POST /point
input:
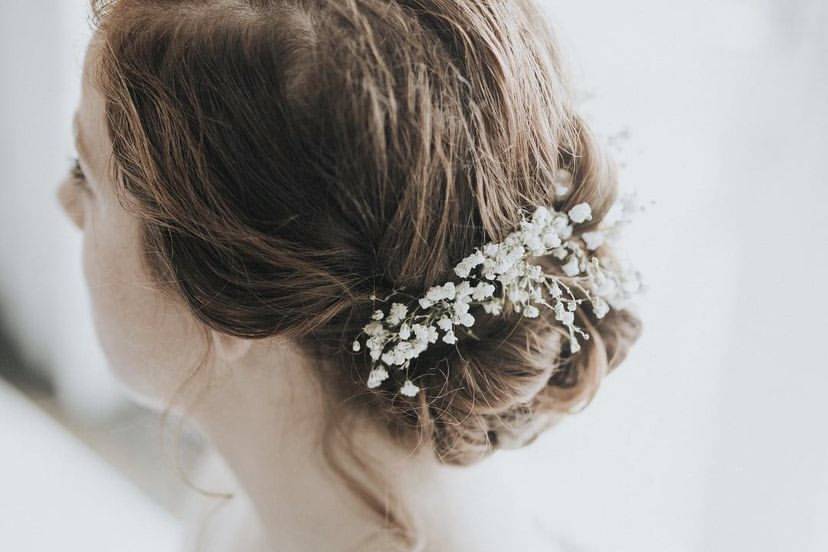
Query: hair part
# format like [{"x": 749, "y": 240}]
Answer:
[{"x": 290, "y": 158}]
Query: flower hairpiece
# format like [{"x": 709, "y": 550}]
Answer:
[{"x": 497, "y": 272}]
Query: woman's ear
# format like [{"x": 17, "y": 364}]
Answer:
[{"x": 230, "y": 348}]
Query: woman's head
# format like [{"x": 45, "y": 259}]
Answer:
[{"x": 278, "y": 162}]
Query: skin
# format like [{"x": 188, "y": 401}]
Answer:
[{"x": 257, "y": 403}]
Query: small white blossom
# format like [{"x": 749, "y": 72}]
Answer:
[
  {"x": 378, "y": 314},
  {"x": 374, "y": 328},
  {"x": 390, "y": 358},
  {"x": 356, "y": 346},
  {"x": 518, "y": 295},
  {"x": 476, "y": 258},
  {"x": 593, "y": 240},
  {"x": 555, "y": 290},
  {"x": 482, "y": 291},
  {"x": 560, "y": 223},
  {"x": 460, "y": 308},
  {"x": 531, "y": 311},
  {"x": 559, "y": 309},
  {"x": 462, "y": 291},
  {"x": 434, "y": 294},
  {"x": 491, "y": 249},
  {"x": 541, "y": 215},
  {"x": 580, "y": 213},
  {"x": 560, "y": 253},
  {"x": 463, "y": 270},
  {"x": 551, "y": 239},
  {"x": 445, "y": 324},
  {"x": 535, "y": 273},
  {"x": 409, "y": 389},
  {"x": 425, "y": 333},
  {"x": 493, "y": 307},
  {"x": 450, "y": 337},
  {"x": 510, "y": 276},
  {"x": 377, "y": 376},
  {"x": 397, "y": 314},
  {"x": 572, "y": 268},
  {"x": 600, "y": 307}
]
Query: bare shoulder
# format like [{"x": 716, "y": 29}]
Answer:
[{"x": 219, "y": 524}]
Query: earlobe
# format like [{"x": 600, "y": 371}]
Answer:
[{"x": 229, "y": 347}]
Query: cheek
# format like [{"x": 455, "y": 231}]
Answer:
[{"x": 150, "y": 341}]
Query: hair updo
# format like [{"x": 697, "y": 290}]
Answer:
[{"x": 290, "y": 158}]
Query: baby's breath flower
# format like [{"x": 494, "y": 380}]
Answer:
[
  {"x": 397, "y": 314},
  {"x": 593, "y": 240},
  {"x": 409, "y": 389},
  {"x": 551, "y": 239},
  {"x": 571, "y": 268},
  {"x": 482, "y": 291},
  {"x": 580, "y": 213},
  {"x": 600, "y": 307},
  {"x": 560, "y": 253},
  {"x": 555, "y": 290},
  {"x": 377, "y": 376},
  {"x": 493, "y": 307},
  {"x": 401, "y": 335},
  {"x": 531, "y": 311},
  {"x": 541, "y": 215}
]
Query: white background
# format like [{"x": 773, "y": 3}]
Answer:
[{"x": 712, "y": 435}]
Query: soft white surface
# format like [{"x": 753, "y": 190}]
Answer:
[
  {"x": 43, "y": 302},
  {"x": 60, "y": 496},
  {"x": 711, "y": 437}
]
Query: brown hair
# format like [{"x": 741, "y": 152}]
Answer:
[{"x": 288, "y": 158}]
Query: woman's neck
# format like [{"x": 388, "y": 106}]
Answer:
[{"x": 264, "y": 415}]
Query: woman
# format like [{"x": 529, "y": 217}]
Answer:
[{"x": 265, "y": 186}]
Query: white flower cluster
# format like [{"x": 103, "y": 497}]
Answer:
[{"x": 498, "y": 272}]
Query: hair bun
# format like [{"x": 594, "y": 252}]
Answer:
[{"x": 503, "y": 390}]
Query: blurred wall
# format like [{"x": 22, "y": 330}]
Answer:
[
  {"x": 711, "y": 437},
  {"x": 43, "y": 303}
]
